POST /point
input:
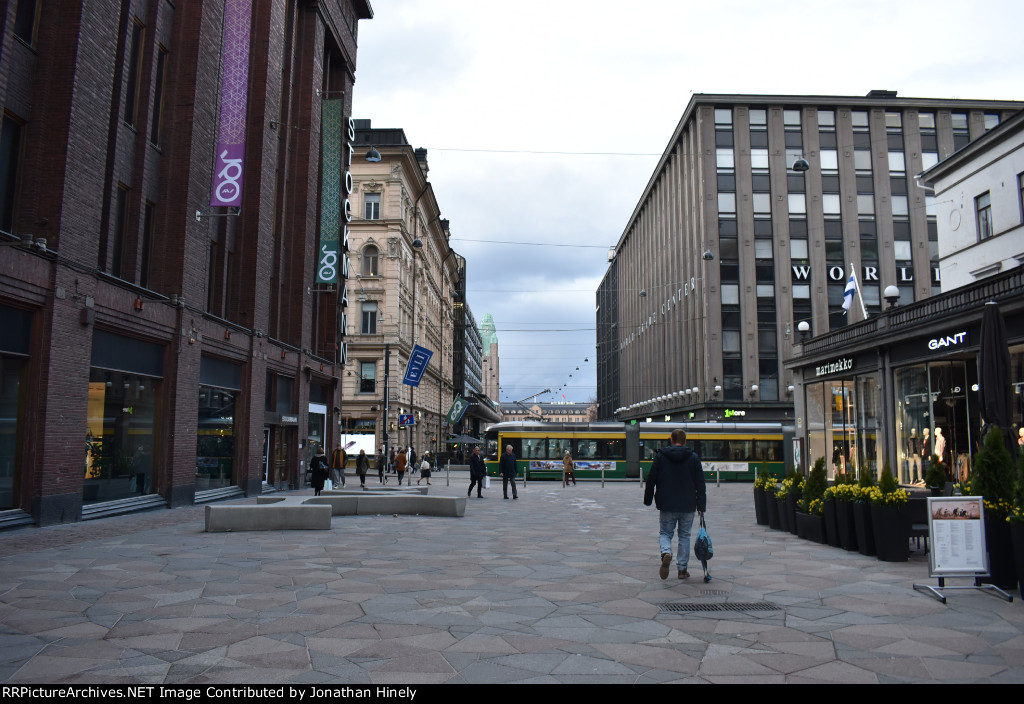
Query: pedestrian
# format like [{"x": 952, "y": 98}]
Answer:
[
  {"x": 320, "y": 471},
  {"x": 424, "y": 469},
  {"x": 400, "y": 462},
  {"x": 477, "y": 472},
  {"x": 569, "y": 467},
  {"x": 676, "y": 484},
  {"x": 338, "y": 460},
  {"x": 410, "y": 458},
  {"x": 507, "y": 465},
  {"x": 382, "y": 465},
  {"x": 362, "y": 467}
]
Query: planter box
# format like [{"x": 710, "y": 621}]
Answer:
[
  {"x": 1001, "y": 566},
  {"x": 862, "y": 523},
  {"x": 891, "y": 528},
  {"x": 831, "y": 526},
  {"x": 760, "y": 507},
  {"x": 845, "y": 525},
  {"x": 810, "y": 527},
  {"x": 772, "y": 506},
  {"x": 791, "y": 500},
  {"x": 1017, "y": 534}
]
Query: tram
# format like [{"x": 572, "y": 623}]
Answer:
[{"x": 622, "y": 451}]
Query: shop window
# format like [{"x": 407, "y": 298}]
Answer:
[{"x": 367, "y": 377}]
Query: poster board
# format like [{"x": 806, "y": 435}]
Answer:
[{"x": 956, "y": 525}]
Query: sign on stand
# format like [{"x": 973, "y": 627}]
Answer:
[{"x": 956, "y": 529}]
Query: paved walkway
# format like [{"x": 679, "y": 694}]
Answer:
[{"x": 559, "y": 586}]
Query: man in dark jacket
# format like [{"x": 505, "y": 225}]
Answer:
[
  {"x": 477, "y": 471},
  {"x": 507, "y": 465},
  {"x": 676, "y": 484}
]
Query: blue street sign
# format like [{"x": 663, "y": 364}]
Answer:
[
  {"x": 406, "y": 420},
  {"x": 418, "y": 361}
]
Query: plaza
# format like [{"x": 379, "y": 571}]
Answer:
[{"x": 560, "y": 586}]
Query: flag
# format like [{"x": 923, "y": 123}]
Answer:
[{"x": 851, "y": 288}]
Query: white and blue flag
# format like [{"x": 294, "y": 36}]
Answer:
[{"x": 851, "y": 288}]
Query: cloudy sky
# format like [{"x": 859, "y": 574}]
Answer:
[{"x": 544, "y": 122}]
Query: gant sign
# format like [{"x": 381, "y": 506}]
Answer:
[{"x": 954, "y": 340}]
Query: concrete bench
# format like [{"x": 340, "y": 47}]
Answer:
[
  {"x": 315, "y": 512},
  {"x": 377, "y": 490},
  {"x": 285, "y": 516}
]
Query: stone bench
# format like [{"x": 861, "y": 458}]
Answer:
[{"x": 315, "y": 512}]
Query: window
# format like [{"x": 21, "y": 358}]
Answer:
[
  {"x": 369, "y": 318},
  {"x": 10, "y": 156},
  {"x": 367, "y": 377},
  {"x": 158, "y": 96},
  {"x": 797, "y": 203},
  {"x": 25, "y": 21},
  {"x": 983, "y": 207},
  {"x": 371, "y": 261},
  {"x": 134, "y": 72},
  {"x": 371, "y": 206}
]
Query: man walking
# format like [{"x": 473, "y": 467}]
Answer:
[
  {"x": 477, "y": 472},
  {"x": 507, "y": 465},
  {"x": 338, "y": 459},
  {"x": 676, "y": 484}
]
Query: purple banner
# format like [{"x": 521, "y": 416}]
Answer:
[{"x": 234, "y": 84}]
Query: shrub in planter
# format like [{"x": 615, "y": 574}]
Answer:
[
  {"x": 935, "y": 477},
  {"x": 1016, "y": 521},
  {"x": 890, "y": 518},
  {"x": 763, "y": 484},
  {"x": 845, "y": 495},
  {"x": 993, "y": 479}
]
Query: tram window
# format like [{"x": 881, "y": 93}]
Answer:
[
  {"x": 611, "y": 449},
  {"x": 714, "y": 450},
  {"x": 651, "y": 447},
  {"x": 740, "y": 450},
  {"x": 766, "y": 450},
  {"x": 533, "y": 448},
  {"x": 492, "y": 449},
  {"x": 586, "y": 449},
  {"x": 557, "y": 447}
]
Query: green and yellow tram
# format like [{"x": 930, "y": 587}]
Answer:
[{"x": 732, "y": 451}]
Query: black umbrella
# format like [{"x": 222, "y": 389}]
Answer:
[{"x": 994, "y": 374}]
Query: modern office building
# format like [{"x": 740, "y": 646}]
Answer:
[
  {"x": 167, "y": 314},
  {"x": 905, "y": 384},
  {"x": 405, "y": 292},
  {"x": 758, "y": 209}
]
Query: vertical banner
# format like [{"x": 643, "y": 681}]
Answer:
[
  {"x": 234, "y": 86},
  {"x": 330, "y": 190}
]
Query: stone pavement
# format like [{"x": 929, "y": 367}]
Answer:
[{"x": 559, "y": 586}]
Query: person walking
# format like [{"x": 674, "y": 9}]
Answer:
[
  {"x": 362, "y": 467},
  {"x": 338, "y": 460},
  {"x": 570, "y": 466},
  {"x": 320, "y": 471},
  {"x": 507, "y": 465},
  {"x": 424, "y": 469},
  {"x": 477, "y": 472},
  {"x": 676, "y": 485},
  {"x": 382, "y": 465},
  {"x": 400, "y": 463}
]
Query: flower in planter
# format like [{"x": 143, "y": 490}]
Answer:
[{"x": 816, "y": 507}]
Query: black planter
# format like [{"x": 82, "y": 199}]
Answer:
[
  {"x": 772, "y": 506},
  {"x": 891, "y": 526},
  {"x": 1017, "y": 533},
  {"x": 791, "y": 499},
  {"x": 999, "y": 541},
  {"x": 760, "y": 507},
  {"x": 862, "y": 523},
  {"x": 831, "y": 527},
  {"x": 810, "y": 527},
  {"x": 784, "y": 516},
  {"x": 845, "y": 526}
]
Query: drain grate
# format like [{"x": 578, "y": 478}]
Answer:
[{"x": 727, "y": 606}]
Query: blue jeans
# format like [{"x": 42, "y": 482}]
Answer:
[{"x": 669, "y": 520}]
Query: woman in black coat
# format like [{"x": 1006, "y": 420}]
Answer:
[{"x": 321, "y": 470}]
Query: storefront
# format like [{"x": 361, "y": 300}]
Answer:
[
  {"x": 220, "y": 384},
  {"x": 903, "y": 386},
  {"x": 14, "y": 349},
  {"x": 121, "y": 429}
]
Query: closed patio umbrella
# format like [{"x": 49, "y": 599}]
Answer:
[{"x": 994, "y": 374}]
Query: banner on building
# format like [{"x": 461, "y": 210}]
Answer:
[
  {"x": 457, "y": 410},
  {"x": 330, "y": 191},
  {"x": 418, "y": 361},
  {"x": 234, "y": 92}
]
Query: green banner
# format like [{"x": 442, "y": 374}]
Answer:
[
  {"x": 457, "y": 410},
  {"x": 331, "y": 126}
]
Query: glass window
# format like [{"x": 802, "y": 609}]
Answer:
[
  {"x": 762, "y": 202},
  {"x": 859, "y": 118},
  {"x": 725, "y": 158},
  {"x": 929, "y": 159},
  {"x": 759, "y": 158},
  {"x": 215, "y": 450},
  {"x": 826, "y": 118},
  {"x": 830, "y": 203},
  {"x": 900, "y": 205},
  {"x": 791, "y": 118},
  {"x": 897, "y": 162},
  {"x": 727, "y": 202},
  {"x": 367, "y": 377},
  {"x": 959, "y": 120},
  {"x": 862, "y": 159},
  {"x": 983, "y": 206},
  {"x": 926, "y": 120},
  {"x": 368, "y": 324},
  {"x": 893, "y": 120},
  {"x": 901, "y": 250},
  {"x": 763, "y": 249},
  {"x": 829, "y": 159},
  {"x": 797, "y": 203},
  {"x": 371, "y": 206},
  {"x": 765, "y": 291},
  {"x": 371, "y": 261},
  {"x": 865, "y": 204},
  {"x": 758, "y": 116},
  {"x": 723, "y": 116},
  {"x": 10, "y": 155},
  {"x": 801, "y": 291},
  {"x": 730, "y": 294},
  {"x": 798, "y": 249},
  {"x": 991, "y": 120}
]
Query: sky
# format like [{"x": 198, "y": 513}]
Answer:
[{"x": 544, "y": 123}]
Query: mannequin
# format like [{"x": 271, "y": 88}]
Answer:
[
  {"x": 913, "y": 471},
  {"x": 940, "y": 445}
]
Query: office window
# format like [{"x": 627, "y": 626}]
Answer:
[
  {"x": 901, "y": 250},
  {"x": 859, "y": 119},
  {"x": 830, "y": 203},
  {"x": 798, "y": 249},
  {"x": 762, "y": 202},
  {"x": 367, "y": 377},
  {"x": 723, "y": 116},
  {"x": 133, "y": 72},
  {"x": 759, "y": 159},
  {"x": 826, "y": 119},
  {"x": 829, "y": 160},
  {"x": 371, "y": 206},
  {"x": 726, "y": 202},
  {"x": 369, "y": 318},
  {"x": 758, "y": 116},
  {"x": 25, "y": 21},
  {"x": 371, "y": 261},
  {"x": 991, "y": 120},
  {"x": 865, "y": 204},
  {"x": 730, "y": 294},
  {"x": 158, "y": 96},
  {"x": 983, "y": 207},
  {"x": 763, "y": 249},
  {"x": 10, "y": 157},
  {"x": 791, "y": 118},
  {"x": 724, "y": 158},
  {"x": 900, "y": 206},
  {"x": 797, "y": 203},
  {"x": 897, "y": 162},
  {"x": 926, "y": 120}
]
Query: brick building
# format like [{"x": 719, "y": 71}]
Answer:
[{"x": 172, "y": 174}]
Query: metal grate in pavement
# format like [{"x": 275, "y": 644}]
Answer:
[{"x": 727, "y": 606}]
